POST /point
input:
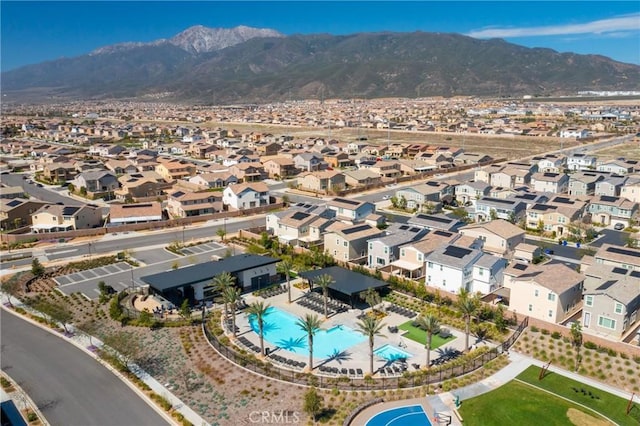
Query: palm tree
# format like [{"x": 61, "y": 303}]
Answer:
[
  {"x": 231, "y": 297},
  {"x": 284, "y": 267},
  {"x": 431, "y": 325},
  {"x": 324, "y": 281},
  {"x": 221, "y": 282},
  {"x": 310, "y": 324},
  {"x": 468, "y": 305},
  {"x": 259, "y": 309},
  {"x": 370, "y": 326}
]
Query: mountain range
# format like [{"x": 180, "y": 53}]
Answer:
[{"x": 246, "y": 65}]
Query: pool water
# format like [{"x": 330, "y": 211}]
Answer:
[
  {"x": 280, "y": 329},
  {"x": 391, "y": 353},
  {"x": 410, "y": 415}
]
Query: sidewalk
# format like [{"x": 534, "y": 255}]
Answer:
[{"x": 81, "y": 341}]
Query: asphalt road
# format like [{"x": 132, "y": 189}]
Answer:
[
  {"x": 44, "y": 194},
  {"x": 611, "y": 236},
  {"x": 68, "y": 386}
]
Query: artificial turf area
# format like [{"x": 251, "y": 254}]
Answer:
[
  {"x": 418, "y": 335},
  {"x": 520, "y": 404}
]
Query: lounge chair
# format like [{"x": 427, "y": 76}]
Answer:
[
  {"x": 344, "y": 372},
  {"x": 352, "y": 372},
  {"x": 359, "y": 372}
]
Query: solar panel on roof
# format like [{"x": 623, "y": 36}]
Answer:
[
  {"x": 527, "y": 196},
  {"x": 135, "y": 206},
  {"x": 414, "y": 230},
  {"x": 621, "y": 271},
  {"x": 497, "y": 200},
  {"x": 550, "y": 174},
  {"x": 355, "y": 229},
  {"x": 14, "y": 203},
  {"x": 177, "y": 194},
  {"x": 300, "y": 216},
  {"x": 443, "y": 233},
  {"x": 344, "y": 200},
  {"x": 608, "y": 198},
  {"x": 635, "y": 274},
  {"x": 622, "y": 251},
  {"x": 438, "y": 219},
  {"x": 607, "y": 284},
  {"x": 68, "y": 211},
  {"x": 562, "y": 200},
  {"x": 457, "y": 252},
  {"x": 520, "y": 266},
  {"x": 404, "y": 227}
]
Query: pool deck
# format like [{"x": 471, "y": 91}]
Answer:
[{"x": 356, "y": 356}]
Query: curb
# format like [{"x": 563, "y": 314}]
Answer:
[{"x": 27, "y": 399}]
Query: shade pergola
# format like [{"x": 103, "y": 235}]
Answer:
[{"x": 346, "y": 283}]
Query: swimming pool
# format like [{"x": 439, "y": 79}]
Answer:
[
  {"x": 280, "y": 329},
  {"x": 410, "y": 415},
  {"x": 391, "y": 353}
]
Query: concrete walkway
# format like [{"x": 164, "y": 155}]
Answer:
[{"x": 82, "y": 341}]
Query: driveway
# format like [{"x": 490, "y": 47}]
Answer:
[{"x": 68, "y": 386}]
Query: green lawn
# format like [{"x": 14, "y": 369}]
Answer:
[
  {"x": 418, "y": 335},
  {"x": 516, "y": 404},
  {"x": 603, "y": 402}
]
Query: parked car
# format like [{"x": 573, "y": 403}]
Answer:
[
  {"x": 40, "y": 185},
  {"x": 618, "y": 226}
]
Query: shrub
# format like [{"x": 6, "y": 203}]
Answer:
[
  {"x": 556, "y": 335},
  {"x": 612, "y": 353},
  {"x": 590, "y": 345},
  {"x": 534, "y": 329},
  {"x": 544, "y": 331}
]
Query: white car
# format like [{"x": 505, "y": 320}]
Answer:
[{"x": 386, "y": 197}]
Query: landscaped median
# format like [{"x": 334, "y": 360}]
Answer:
[{"x": 555, "y": 399}]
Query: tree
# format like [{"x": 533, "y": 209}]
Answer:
[
  {"x": 221, "y": 233},
  {"x": 312, "y": 403},
  {"x": 512, "y": 217},
  {"x": 124, "y": 345},
  {"x": 431, "y": 325},
  {"x": 370, "y": 326},
  {"x": 286, "y": 200},
  {"x": 232, "y": 295},
  {"x": 221, "y": 282},
  {"x": 402, "y": 202},
  {"x": 71, "y": 188},
  {"x": 461, "y": 213},
  {"x": 56, "y": 312},
  {"x": 395, "y": 202},
  {"x": 576, "y": 341},
  {"x": 36, "y": 267},
  {"x": 284, "y": 267},
  {"x": 83, "y": 191},
  {"x": 324, "y": 281},
  {"x": 310, "y": 324},
  {"x": 259, "y": 310},
  {"x": 498, "y": 319},
  {"x": 371, "y": 297},
  {"x": 468, "y": 305},
  {"x": 12, "y": 287},
  {"x": 493, "y": 215},
  {"x": 185, "y": 310}
]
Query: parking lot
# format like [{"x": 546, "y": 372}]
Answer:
[
  {"x": 201, "y": 248},
  {"x": 86, "y": 282}
]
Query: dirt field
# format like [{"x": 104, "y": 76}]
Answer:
[{"x": 630, "y": 151}]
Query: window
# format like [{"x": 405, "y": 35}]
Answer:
[
  {"x": 444, "y": 283},
  {"x": 430, "y": 265},
  {"x": 607, "y": 323},
  {"x": 588, "y": 300},
  {"x": 441, "y": 267},
  {"x": 337, "y": 241},
  {"x": 402, "y": 253},
  {"x": 551, "y": 297},
  {"x": 419, "y": 257},
  {"x": 535, "y": 293},
  {"x": 345, "y": 244},
  {"x": 370, "y": 246},
  {"x": 619, "y": 308},
  {"x": 530, "y": 307},
  {"x": 386, "y": 250},
  {"x": 429, "y": 278},
  {"x": 550, "y": 313}
]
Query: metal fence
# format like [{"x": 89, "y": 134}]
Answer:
[{"x": 407, "y": 380}]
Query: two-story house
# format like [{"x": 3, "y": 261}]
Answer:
[
  {"x": 499, "y": 236},
  {"x": 623, "y": 257},
  {"x": 56, "y": 218},
  {"x": 386, "y": 249},
  {"x": 322, "y": 181},
  {"x": 188, "y": 204},
  {"x": 552, "y": 163},
  {"x": 615, "y": 166},
  {"x": 435, "y": 222},
  {"x": 555, "y": 183},
  {"x": 361, "y": 177},
  {"x": 246, "y": 195},
  {"x": 584, "y": 183},
  {"x": 16, "y": 213},
  {"x": 611, "y": 300},
  {"x": 97, "y": 181},
  {"x": 247, "y": 172},
  {"x": 489, "y": 207},
  {"x": 351, "y": 210},
  {"x": 280, "y": 167},
  {"x": 214, "y": 180},
  {"x": 141, "y": 185},
  {"x": 607, "y": 210},
  {"x": 430, "y": 195},
  {"x": 349, "y": 242},
  {"x": 467, "y": 193},
  {"x": 309, "y": 162},
  {"x": 549, "y": 292},
  {"x": 172, "y": 170},
  {"x": 298, "y": 226},
  {"x": 610, "y": 186},
  {"x": 555, "y": 215},
  {"x": 631, "y": 189},
  {"x": 581, "y": 162}
]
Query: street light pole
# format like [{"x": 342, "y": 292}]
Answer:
[{"x": 133, "y": 286}]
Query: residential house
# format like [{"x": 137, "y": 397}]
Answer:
[
  {"x": 322, "y": 181},
  {"x": 385, "y": 249},
  {"x": 427, "y": 196},
  {"x": 214, "y": 180},
  {"x": 573, "y": 133},
  {"x": 581, "y": 162},
  {"x": 187, "y": 204},
  {"x": 361, "y": 177},
  {"x": 97, "y": 181},
  {"x": 248, "y": 172},
  {"x": 556, "y": 215},
  {"x": 298, "y": 226},
  {"x": 59, "y": 172},
  {"x": 469, "y": 192},
  {"x": 268, "y": 149},
  {"x": 349, "y": 242},
  {"x": 387, "y": 169},
  {"x": 484, "y": 174},
  {"x": 121, "y": 167},
  {"x": 56, "y": 218},
  {"x": 471, "y": 158},
  {"x": 16, "y": 213},
  {"x": 551, "y": 163},
  {"x": 511, "y": 177},
  {"x": 12, "y": 192},
  {"x": 106, "y": 150},
  {"x": 623, "y": 257},
  {"x": 615, "y": 166},
  {"x": 338, "y": 160},
  {"x": 549, "y": 292},
  {"x": 611, "y": 301},
  {"x": 499, "y": 236},
  {"x": 309, "y": 162},
  {"x": 435, "y": 222},
  {"x": 555, "y": 183},
  {"x": 172, "y": 170},
  {"x": 246, "y": 195},
  {"x": 351, "y": 210},
  {"x": 611, "y": 185},
  {"x": 607, "y": 210},
  {"x": 584, "y": 183},
  {"x": 280, "y": 167},
  {"x": 122, "y": 214},
  {"x": 141, "y": 185},
  {"x": 487, "y": 207},
  {"x": 451, "y": 268},
  {"x": 631, "y": 189}
]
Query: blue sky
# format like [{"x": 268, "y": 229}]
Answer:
[{"x": 33, "y": 32}]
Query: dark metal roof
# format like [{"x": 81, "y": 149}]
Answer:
[
  {"x": 206, "y": 271},
  {"x": 345, "y": 281}
]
